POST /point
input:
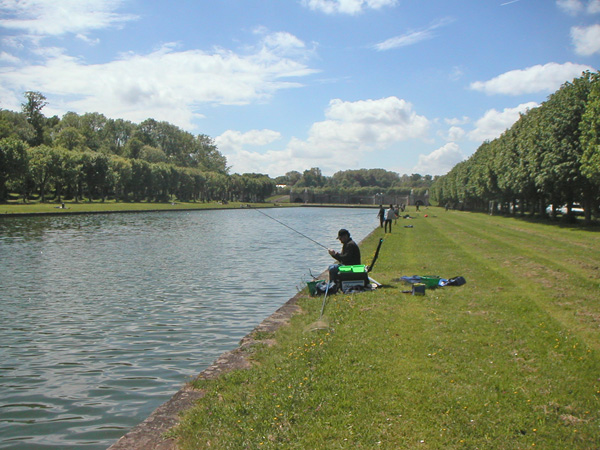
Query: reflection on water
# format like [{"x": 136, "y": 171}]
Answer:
[{"x": 104, "y": 317}]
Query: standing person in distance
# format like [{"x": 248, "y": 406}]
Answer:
[
  {"x": 381, "y": 215},
  {"x": 390, "y": 215}
]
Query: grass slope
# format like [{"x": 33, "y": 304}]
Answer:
[
  {"x": 508, "y": 361},
  {"x": 9, "y": 209}
]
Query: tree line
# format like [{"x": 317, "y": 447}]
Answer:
[
  {"x": 550, "y": 156},
  {"x": 93, "y": 157},
  {"x": 358, "y": 182}
]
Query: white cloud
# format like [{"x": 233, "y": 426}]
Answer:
[
  {"x": 574, "y": 7},
  {"x": 272, "y": 162},
  {"x": 455, "y": 134},
  {"x": 232, "y": 140},
  {"x": 58, "y": 17},
  {"x": 570, "y": 6},
  {"x": 346, "y": 6},
  {"x": 494, "y": 123},
  {"x": 594, "y": 7},
  {"x": 283, "y": 40},
  {"x": 280, "y": 43},
  {"x": 546, "y": 78},
  {"x": 7, "y": 58},
  {"x": 165, "y": 84},
  {"x": 87, "y": 39},
  {"x": 351, "y": 130},
  {"x": 440, "y": 161},
  {"x": 412, "y": 37},
  {"x": 234, "y": 145},
  {"x": 457, "y": 121},
  {"x": 368, "y": 124},
  {"x": 456, "y": 73},
  {"x": 404, "y": 40},
  {"x": 586, "y": 39}
]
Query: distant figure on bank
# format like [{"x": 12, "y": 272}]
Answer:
[
  {"x": 381, "y": 215},
  {"x": 390, "y": 215},
  {"x": 349, "y": 256}
]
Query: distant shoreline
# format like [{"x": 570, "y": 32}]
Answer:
[{"x": 48, "y": 209}]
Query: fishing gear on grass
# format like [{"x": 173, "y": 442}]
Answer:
[{"x": 370, "y": 267}]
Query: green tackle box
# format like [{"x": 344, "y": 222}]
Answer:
[{"x": 353, "y": 276}]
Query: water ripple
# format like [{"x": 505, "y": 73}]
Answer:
[{"x": 103, "y": 318}]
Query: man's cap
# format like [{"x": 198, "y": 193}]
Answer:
[{"x": 343, "y": 232}]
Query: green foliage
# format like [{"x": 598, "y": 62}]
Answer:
[
  {"x": 590, "y": 135},
  {"x": 91, "y": 156},
  {"x": 289, "y": 179},
  {"x": 70, "y": 138},
  {"x": 350, "y": 184},
  {"x": 152, "y": 154},
  {"x": 32, "y": 108},
  {"x": 15, "y": 125},
  {"x": 312, "y": 178},
  {"x": 13, "y": 164},
  {"x": 365, "y": 177},
  {"x": 549, "y": 156}
]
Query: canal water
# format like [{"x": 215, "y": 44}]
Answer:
[{"x": 104, "y": 317}]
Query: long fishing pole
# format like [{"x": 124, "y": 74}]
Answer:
[{"x": 287, "y": 226}]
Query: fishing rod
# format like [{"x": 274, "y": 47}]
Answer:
[{"x": 287, "y": 226}]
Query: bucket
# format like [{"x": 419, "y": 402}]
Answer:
[
  {"x": 312, "y": 287},
  {"x": 430, "y": 282},
  {"x": 418, "y": 289}
]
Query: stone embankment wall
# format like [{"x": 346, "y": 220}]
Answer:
[{"x": 149, "y": 435}]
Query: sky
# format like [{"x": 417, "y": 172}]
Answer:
[{"x": 410, "y": 86}]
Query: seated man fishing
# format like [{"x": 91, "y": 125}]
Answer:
[{"x": 349, "y": 256}]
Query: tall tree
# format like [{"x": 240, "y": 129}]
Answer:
[
  {"x": 312, "y": 178},
  {"x": 32, "y": 108},
  {"x": 15, "y": 124},
  {"x": 206, "y": 156},
  {"x": 117, "y": 134},
  {"x": 590, "y": 134},
  {"x": 41, "y": 168},
  {"x": 92, "y": 125},
  {"x": 13, "y": 163},
  {"x": 70, "y": 138}
]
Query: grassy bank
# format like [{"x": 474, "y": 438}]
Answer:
[
  {"x": 33, "y": 208},
  {"x": 511, "y": 360},
  {"x": 111, "y": 206}
]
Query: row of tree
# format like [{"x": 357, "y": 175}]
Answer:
[
  {"x": 91, "y": 156},
  {"x": 58, "y": 173},
  {"x": 361, "y": 182},
  {"x": 550, "y": 156},
  {"x": 150, "y": 140},
  {"x": 94, "y": 157}
]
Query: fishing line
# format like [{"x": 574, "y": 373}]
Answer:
[{"x": 287, "y": 226}]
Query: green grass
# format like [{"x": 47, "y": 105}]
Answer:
[
  {"x": 112, "y": 206},
  {"x": 508, "y": 361}
]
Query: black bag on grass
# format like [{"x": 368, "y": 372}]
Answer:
[{"x": 456, "y": 281}]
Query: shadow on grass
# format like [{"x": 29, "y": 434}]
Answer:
[{"x": 565, "y": 222}]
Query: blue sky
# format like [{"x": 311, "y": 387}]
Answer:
[{"x": 412, "y": 86}]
